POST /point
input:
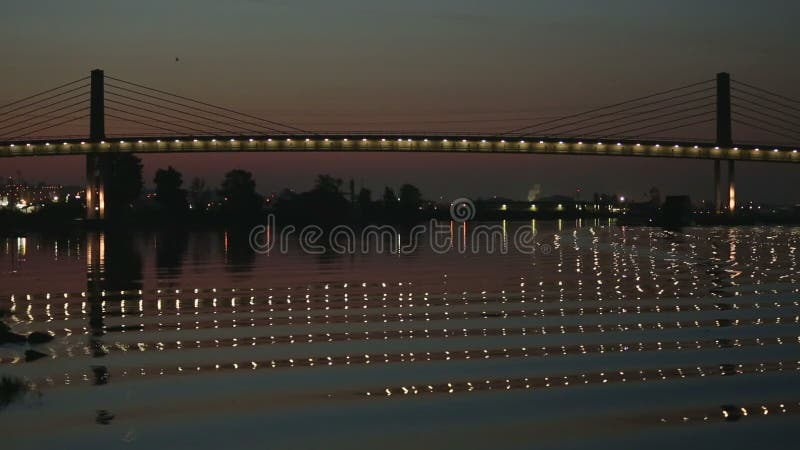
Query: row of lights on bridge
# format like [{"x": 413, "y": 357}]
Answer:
[{"x": 619, "y": 144}]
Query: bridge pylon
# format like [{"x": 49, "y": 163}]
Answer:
[
  {"x": 96, "y": 163},
  {"x": 724, "y": 140}
]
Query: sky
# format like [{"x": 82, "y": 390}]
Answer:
[{"x": 445, "y": 64}]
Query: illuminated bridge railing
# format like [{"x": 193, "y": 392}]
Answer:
[{"x": 428, "y": 142}]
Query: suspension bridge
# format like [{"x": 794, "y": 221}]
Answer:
[{"x": 167, "y": 122}]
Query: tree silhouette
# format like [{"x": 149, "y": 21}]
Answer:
[
  {"x": 365, "y": 207},
  {"x": 240, "y": 202},
  {"x": 325, "y": 204},
  {"x": 410, "y": 201},
  {"x": 199, "y": 194},
  {"x": 123, "y": 184},
  {"x": 390, "y": 204},
  {"x": 169, "y": 191}
]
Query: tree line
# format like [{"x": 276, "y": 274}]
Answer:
[{"x": 237, "y": 200}]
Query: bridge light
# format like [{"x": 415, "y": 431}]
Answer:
[
  {"x": 399, "y": 140},
  {"x": 326, "y": 139},
  {"x": 638, "y": 145},
  {"x": 269, "y": 140},
  {"x": 233, "y": 140},
  {"x": 580, "y": 142},
  {"x": 139, "y": 142},
  {"x": 658, "y": 145},
  {"x": 716, "y": 148},
  {"x": 503, "y": 141},
  {"x": 27, "y": 145},
  {"x": 47, "y": 144},
  {"x": 213, "y": 140},
  {"x": 619, "y": 144},
  {"x": 121, "y": 142},
  {"x": 599, "y": 143},
  {"x": 84, "y": 143},
  {"x": 65, "y": 143},
  {"x": 757, "y": 149},
  {"x": 288, "y": 140},
  {"x": 12, "y": 145},
  {"x": 409, "y": 140},
  {"x": 194, "y": 140},
  {"x": 251, "y": 139},
  {"x": 177, "y": 141},
  {"x": 364, "y": 140},
  {"x": 444, "y": 140},
  {"x": 561, "y": 142},
  {"x": 541, "y": 142},
  {"x": 522, "y": 141},
  {"x": 383, "y": 140},
  {"x": 678, "y": 146},
  {"x": 483, "y": 141},
  {"x": 775, "y": 150},
  {"x": 102, "y": 142},
  {"x": 464, "y": 141},
  {"x": 344, "y": 140},
  {"x": 697, "y": 147},
  {"x": 794, "y": 151},
  {"x": 158, "y": 141}
]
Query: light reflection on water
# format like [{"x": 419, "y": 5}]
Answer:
[{"x": 639, "y": 329}]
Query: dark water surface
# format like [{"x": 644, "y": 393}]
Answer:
[{"x": 608, "y": 338}]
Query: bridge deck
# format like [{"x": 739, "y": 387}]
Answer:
[{"x": 399, "y": 143}]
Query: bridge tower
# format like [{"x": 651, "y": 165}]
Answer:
[
  {"x": 724, "y": 140},
  {"x": 96, "y": 163}
]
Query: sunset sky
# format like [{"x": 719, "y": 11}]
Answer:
[{"x": 435, "y": 64}]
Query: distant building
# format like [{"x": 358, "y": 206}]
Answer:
[{"x": 27, "y": 197}]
